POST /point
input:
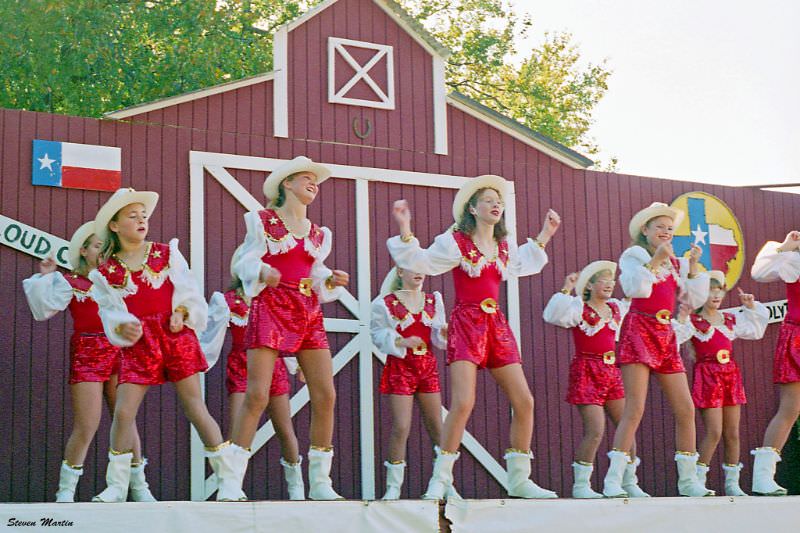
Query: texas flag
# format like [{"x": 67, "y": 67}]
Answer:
[
  {"x": 76, "y": 166},
  {"x": 717, "y": 242}
]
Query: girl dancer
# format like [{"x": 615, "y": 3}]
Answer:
[
  {"x": 94, "y": 362},
  {"x": 717, "y": 389},
  {"x": 149, "y": 304},
  {"x": 405, "y": 321},
  {"x": 780, "y": 262},
  {"x": 282, "y": 269},
  {"x": 232, "y": 310},
  {"x": 652, "y": 277},
  {"x": 595, "y": 383},
  {"x": 480, "y": 256}
]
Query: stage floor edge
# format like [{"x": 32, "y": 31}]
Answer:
[{"x": 654, "y": 515}]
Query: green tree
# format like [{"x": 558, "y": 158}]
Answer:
[{"x": 88, "y": 57}]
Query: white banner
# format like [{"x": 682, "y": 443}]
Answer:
[
  {"x": 777, "y": 310},
  {"x": 33, "y": 241}
]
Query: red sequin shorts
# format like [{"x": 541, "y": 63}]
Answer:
[
  {"x": 161, "y": 355},
  {"x": 283, "y": 319},
  {"x": 786, "y": 366},
  {"x": 593, "y": 382},
  {"x": 92, "y": 358},
  {"x": 410, "y": 375},
  {"x": 645, "y": 340},
  {"x": 236, "y": 374},
  {"x": 717, "y": 385},
  {"x": 482, "y": 338}
]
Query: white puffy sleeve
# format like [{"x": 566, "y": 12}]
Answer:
[
  {"x": 442, "y": 256},
  {"x": 248, "y": 265},
  {"x": 187, "y": 292},
  {"x": 320, "y": 273},
  {"x": 212, "y": 339},
  {"x": 683, "y": 331},
  {"x": 751, "y": 324},
  {"x": 439, "y": 325},
  {"x": 637, "y": 280},
  {"x": 772, "y": 265},
  {"x": 694, "y": 291},
  {"x": 623, "y": 305},
  {"x": 527, "y": 259},
  {"x": 383, "y": 331},
  {"x": 113, "y": 311},
  {"x": 47, "y": 294},
  {"x": 563, "y": 310}
]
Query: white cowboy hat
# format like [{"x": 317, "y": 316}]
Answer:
[
  {"x": 466, "y": 191},
  {"x": 118, "y": 200},
  {"x": 388, "y": 282},
  {"x": 590, "y": 270},
  {"x": 298, "y": 164},
  {"x": 654, "y": 210},
  {"x": 718, "y": 275},
  {"x": 76, "y": 243}
]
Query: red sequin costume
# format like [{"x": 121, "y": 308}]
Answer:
[
  {"x": 149, "y": 296},
  {"x": 771, "y": 265},
  {"x": 717, "y": 378},
  {"x": 479, "y": 331},
  {"x": 594, "y": 379},
  {"x": 231, "y": 311},
  {"x": 92, "y": 357},
  {"x": 287, "y": 318},
  {"x": 647, "y": 336},
  {"x": 408, "y": 371}
]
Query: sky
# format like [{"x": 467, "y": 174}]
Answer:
[{"x": 701, "y": 90}]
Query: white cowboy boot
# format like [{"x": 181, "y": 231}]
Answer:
[
  {"x": 138, "y": 487},
  {"x": 229, "y": 463},
  {"x": 442, "y": 477},
  {"x": 612, "y": 484},
  {"x": 630, "y": 483},
  {"x": 765, "y": 461},
  {"x": 319, "y": 475},
  {"x": 688, "y": 484},
  {"x": 518, "y": 467},
  {"x": 294, "y": 478},
  {"x": 67, "y": 482},
  {"x": 581, "y": 487},
  {"x": 702, "y": 473},
  {"x": 395, "y": 472},
  {"x": 118, "y": 478},
  {"x": 732, "y": 472},
  {"x": 452, "y": 493}
]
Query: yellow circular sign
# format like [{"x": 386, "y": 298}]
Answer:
[{"x": 710, "y": 224}]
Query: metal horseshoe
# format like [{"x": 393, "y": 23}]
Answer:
[{"x": 358, "y": 131}]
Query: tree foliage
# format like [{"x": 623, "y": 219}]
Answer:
[{"x": 88, "y": 57}]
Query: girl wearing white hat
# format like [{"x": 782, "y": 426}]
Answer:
[
  {"x": 282, "y": 269},
  {"x": 653, "y": 278},
  {"x": 595, "y": 382},
  {"x": 231, "y": 310},
  {"x": 150, "y": 305},
  {"x": 480, "y": 256},
  {"x": 717, "y": 387},
  {"x": 93, "y": 362},
  {"x": 405, "y": 322},
  {"x": 780, "y": 262}
]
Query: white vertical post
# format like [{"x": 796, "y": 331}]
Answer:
[
  {"x": 439, "y": 107},
  {"x": 366, "y": 401},
  {"x": 280, "y": 84},
  {"x": 197, "y": 474}
]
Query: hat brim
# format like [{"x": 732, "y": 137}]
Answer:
[
  {"x": 76, "y": 243},
  {"x": 590, "y": 270},
  {"x": 294, "y": 166},
  {"x": 119, "y": 200},
  {"x": 645, "y": 215},
  {"x": 719, "y": 276},
  {"x": 487, "y": 181},
  {"x": 388, "y": 282}
]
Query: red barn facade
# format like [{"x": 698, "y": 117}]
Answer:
[{"x": 359, "y": 86}]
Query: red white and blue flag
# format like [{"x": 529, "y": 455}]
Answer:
[{"x": 76, "y": 166}]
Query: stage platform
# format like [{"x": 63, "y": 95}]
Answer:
[{"x": 656, "y": 515}]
